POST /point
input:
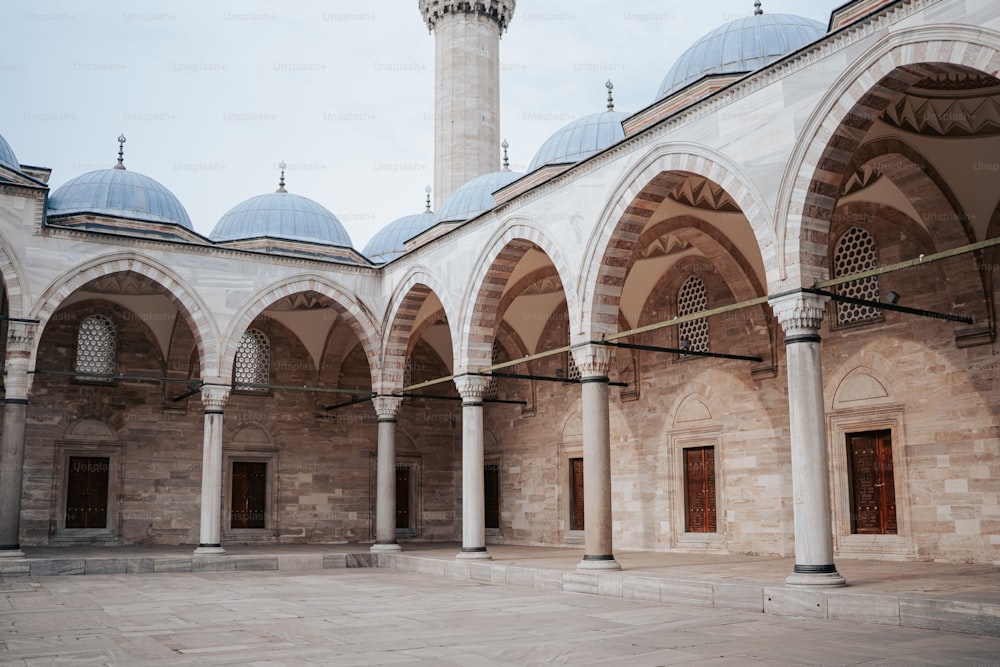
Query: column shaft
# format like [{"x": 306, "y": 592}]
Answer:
[
  {"x": 594, "y": 362},
  {"x": 210, "y": 540},
  {"x": 11, "y": 473},
  {"x": 385, "y": 481},
  {"x": 800, "y": 316},
  {"x": 17, "y": 384},
  {"x": 472, "y": 388}
]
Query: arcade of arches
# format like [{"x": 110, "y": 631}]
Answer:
[{"x": 180, "y": 393}]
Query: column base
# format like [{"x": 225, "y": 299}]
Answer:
[
  {"x": 815, "y": 579},
  {"x": 590, "y": 563},
  {"x": 11, "y": 553},
  {"x": 209, "y": 550},
  {"x": 385, "y": 547},
  {"x": 473, "y": 553}
]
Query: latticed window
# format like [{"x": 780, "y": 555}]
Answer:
[
  {"x": 856, "y": 252},
  {"x": 408, "y": 372},
  {"x": 693, "y": 298},
  {"x": 96, "y": 344},
  {"x": 573, "y": 371},
  {"x": 494, "y": 386},
  {"x": 253, "y": 362}
]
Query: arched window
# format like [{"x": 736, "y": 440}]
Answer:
[
  {"x": 856, "y": 252},
  {"x": 96, "y": 348},
  {"x": 253, "y": 362},
  {"x": 692, "y": 298}
]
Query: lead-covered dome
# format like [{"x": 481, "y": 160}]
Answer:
[
  {"x": 475, "y": 196},
  {"x": 742, "y": 45},
  {"x": 120, "y": 193},
  {"x": 580, "y": 139},
  {"x": 390, "y": 241},
  {"x": 281, "y": 215},
  {"x": 7, "y": 157}
]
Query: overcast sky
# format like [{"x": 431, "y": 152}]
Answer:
[{"x": 213, "y": 95}]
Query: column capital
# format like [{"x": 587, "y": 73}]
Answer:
[
  {"x": 20, "y": 341},
  {"x": 21, "y": 335},
  {"x": 214, "y": 396},
  {"x": 800, "y": 313},
  {"x": 593, "y": 360},
  {"x": 387, "y": 407},
  {"x": 472, "y": 388},
  {"x": 497, "y": 11}
]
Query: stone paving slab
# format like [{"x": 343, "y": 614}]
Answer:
[
  {"x": 949, "y": 597},
  {"x": 369, "y": 616}
]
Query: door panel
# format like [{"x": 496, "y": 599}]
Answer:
[
  {"x": 873, "y": 493},
  {"x": 249, "y": 495},
  {"x": 576, "y": 494},
  {"x": 699, "y": 490},
  {"x": 87, "y": 492},
  {"x": 403, "y": 497}
]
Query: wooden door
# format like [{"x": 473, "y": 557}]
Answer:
[
  {"x": 87, "y": 492},
  {"x": 491, "y": 487},
  {"x": 699, "y": 489},
  {"x": 576, "y": 494},
  {"x": 249, "y": 497},
  {"x": 403, "y": 497},
  {"x": 873, "y": 491}
]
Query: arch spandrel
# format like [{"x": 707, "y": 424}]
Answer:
[
  {"x": 398, "y": 328},
  {"x": 359, "y": 317},
  {"x": 635, "y": 198},
  {"x": 480, "y": 305},
  {"x": 836, "y": 129},
  {"x": 183, "y": 295}
]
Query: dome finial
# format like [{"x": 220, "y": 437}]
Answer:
[
  {"x": 757, "y": 11},
  {"x": 281, "y": 181},
  {"x": 121, "y": 152},
  {"x": 427, "y": 208},
  {"x": 611, "y": 100},
  {"x": 506, "y": 160}
]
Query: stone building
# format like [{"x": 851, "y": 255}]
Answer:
[{"x": 756, "y": 316}]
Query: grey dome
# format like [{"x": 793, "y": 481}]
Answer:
[
  {"x": 388, "y": 243},
  {"x": 581, "y": 139},
  {"x": 7, "y": 157},
  {"x": 281, "y": 215},
  {"x": 475, "y": 196},
  {"x": 742, "y": 45},
  {"x": 121, "y": 193}
]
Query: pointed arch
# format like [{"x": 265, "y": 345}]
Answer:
[
  {"x": 180, "y": 293},
  {"x": 11, "y": 273},
  {"x": 637, "y": 195},
  {"x": 809, "y": 186},
  {"x": 406, "y": 302},
  {"x": 356, "y": 313},
  {"x": 480, "y": 304}
]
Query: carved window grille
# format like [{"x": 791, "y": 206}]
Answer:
[
  {"x": 493, "y": 387},
  {"x": 692, "y": 298},
  {"x": 253, "y": 362},
  {"x": 856, "y": 252},
  {"x": 96, "y": 347},
  {"x": 573, "y": 371},
  {"x": 408, "y": 372}
]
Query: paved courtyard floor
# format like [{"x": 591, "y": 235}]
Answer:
[{"x": 388, "y": 617}]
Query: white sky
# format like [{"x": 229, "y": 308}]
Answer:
[{"x": 212, "y": 95}]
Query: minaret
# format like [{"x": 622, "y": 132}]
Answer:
[{"x": 467, "y": 88}]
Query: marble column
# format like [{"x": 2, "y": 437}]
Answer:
[
  {"x": 213, "y": 397},
  {"x": 472, "y": 388},
  {"x": 17, "y": 384},
  {"x": 594, "y": 362},
  {"x": 386, "y": 407},
  {"x": 800, "y": 316}
]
